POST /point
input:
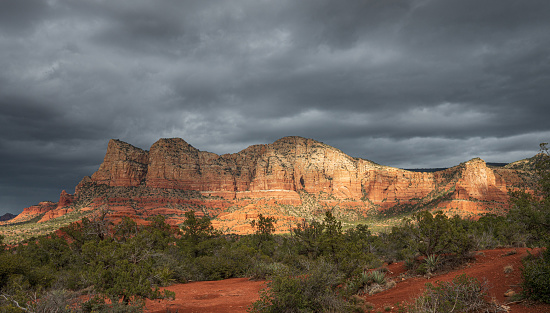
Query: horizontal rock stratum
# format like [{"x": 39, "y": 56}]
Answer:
[{"x": 293, "y": 178}]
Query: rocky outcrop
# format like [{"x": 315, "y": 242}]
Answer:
[
  {"x": 124, "y": 165},
  {"x": 34, "y": 211},
  {"x": 65, "y": 199},
  {"x": 294, "y": 165},
  {"x": 292, "y": 178},
  {"x": 289, "y": 164},
  {"x": 175, "y": 164}
]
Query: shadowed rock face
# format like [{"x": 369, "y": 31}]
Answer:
[
  {"x": 7, "y": 217},
  {"x": 174, "y": 176}
]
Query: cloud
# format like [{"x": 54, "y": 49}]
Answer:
[{"x": 405, "y": 83}]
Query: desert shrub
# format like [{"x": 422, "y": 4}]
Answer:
[
  {"x": 20, "y": 296},
  {"x": 58, "y": 301},
  {"x": 367, "y": 283},
  {"x": 115, "y": 273},
  {"x": 312, "y": 290},
  {"x": 462, "y": 294},
  {"x": 437, "y": 234},
  {"x": 307, "y": 238},
  {"x": 122, "y": 267},
  {"x": 195, "y": 230},
  {"x": 264, "y": 228},
  {"x": 71, "y": 279},
  {"x": 491, "y": 231},
  {"x": 163, "y": 276},
  {"x": 536, "y": 277},
  {"x": 356, "y": 284},
  {"x": 168, "y": 268},
  {"x": 530, "y": 213},
  {"x": 357, "y": 251},
  {"x": 350, "y": 252},
  {"x": 98, "y": 304},
  {"x": 264, "y": 270},
  {"x": 432, "y": 263},
  {"x": 11, "y": 264},
  {"x": 395, "y": 245},
  {"x": 485, "y": 240},
  {"x": 229, "y": 261}
]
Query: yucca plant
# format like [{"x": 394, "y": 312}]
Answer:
[
  {"x": 378, "y": 277},
  {"x": 432, "y": 262}
]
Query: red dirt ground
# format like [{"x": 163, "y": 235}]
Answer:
[
  {"x": 235, "y": 295},
  {"x": 223, "y": 296},
  {"x": 489, "y": 265}
]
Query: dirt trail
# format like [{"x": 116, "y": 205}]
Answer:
[
  {"x": 230, "y": 296},
  {"x": 235, "y": 295},
  {"x": 489, "y": 265}
]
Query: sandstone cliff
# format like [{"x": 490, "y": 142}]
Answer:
[
  {"x": 34, "y": 211},
  {"x": 292, "y": 178}
]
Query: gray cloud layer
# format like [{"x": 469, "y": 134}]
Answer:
[{"x": 403, "y": 83}]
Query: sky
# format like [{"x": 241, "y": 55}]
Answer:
[{"x": 410, "y": 84}]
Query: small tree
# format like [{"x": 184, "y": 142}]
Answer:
[
  {"x": 433, "y": 235},
  {"x": 313, "y": 290},
  {"x": 121, "y": 271},
  {"x": 307, "y": 237},
  {"x": 194, "y": 231},
  {"x": 264, "y": 226},
  {"x": 126, "y": 229},
  {"x": 332, "y": 237}
]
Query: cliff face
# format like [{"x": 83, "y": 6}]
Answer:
[
  {"x": 34, "y": 211},
  {"x": 293, "y": 165},
  {"x": 124, "y": 165},
  {"x": 289, "y": 164},
  {"x": 305, "y": 175},
  {"x": 175, "y": 164}
]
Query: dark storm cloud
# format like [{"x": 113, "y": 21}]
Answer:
[
  {"x": 19, "y": 16},
  {"x": 404, "y": 83}
]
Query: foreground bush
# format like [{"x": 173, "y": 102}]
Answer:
[
  {"x": 435, "y": 234},
  {"x": 313, "y": 290},
  {"x": 536, "y": 277},
  {"x": 462, "y": 294}
]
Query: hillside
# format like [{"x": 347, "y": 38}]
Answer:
[
  {"x": 7, "y": 217},
  {"x": 237, "y": 294},
  {"x": 291, "y": 179}
]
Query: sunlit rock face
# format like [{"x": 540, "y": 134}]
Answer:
[
  {"x": 307, "y": 175},
  {"x": 33, "y": 211},
  {"x": 123, "y": 165}
]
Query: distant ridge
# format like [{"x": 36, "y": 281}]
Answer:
[{"x": 7, "y": 217}]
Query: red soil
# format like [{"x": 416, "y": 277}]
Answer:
[
  {"x": 224, "y": 296},
  {"x": 235, "y": 295},
  {"x": 489, "y": 265}
]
